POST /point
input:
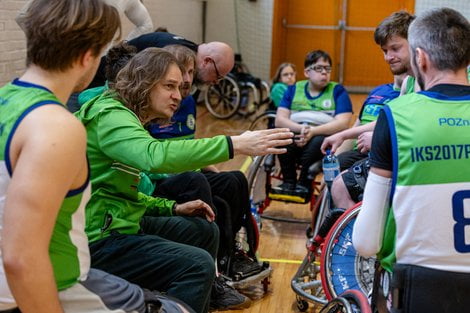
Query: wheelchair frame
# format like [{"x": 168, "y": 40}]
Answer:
[
  {"x": 326, "y": 256},
  {"x": 238, "y": 92}
]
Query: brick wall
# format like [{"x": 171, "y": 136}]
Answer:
[
  {"x": 179, "y": 16},
  {"x": 12, "y": 41}
]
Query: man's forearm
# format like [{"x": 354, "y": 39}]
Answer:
[{"x": 370, "y": 224}]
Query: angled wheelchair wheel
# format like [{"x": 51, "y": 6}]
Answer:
[
  {"x": 257, "y": 183},
  {"x": 249, "y": 98},
  {"x": 341, "y": 267},
  {"x": 247, "y": 238},
  {"x": 351, "y": 301},
  {"x": 264, "y": 121},
  {"x": 223, "y": 99}
]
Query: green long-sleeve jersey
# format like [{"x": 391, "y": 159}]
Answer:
[{"x": 119, "y": 148}]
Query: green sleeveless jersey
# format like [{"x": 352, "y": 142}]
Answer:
[
  {"x": 410, "y": 85},
  {"x": 324, "y": 102},
  {"x": 68, "y": 248},
  {"x": 427, "y": 224}
]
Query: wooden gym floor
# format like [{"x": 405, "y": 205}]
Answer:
[{"x": 281, "y": 243}]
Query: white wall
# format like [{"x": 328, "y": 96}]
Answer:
[
  {"x": 247, "y": 27},
  {"x": 182, "y": 17},
  {"x": 463, "y": 6}
]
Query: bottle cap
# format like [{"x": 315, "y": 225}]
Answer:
[{"x": 328, "y": 151}]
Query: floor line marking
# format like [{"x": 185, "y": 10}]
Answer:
[
  {"x": 246, "y": 164},
  {"x": 282, "y": 261}
]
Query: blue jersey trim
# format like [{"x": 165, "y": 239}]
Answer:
[
  {"x": 379, "y": 95},
  {"x": 80, "y": 189},
  {"x": 307, "y": 93},
  {"x": 440, "y": 96},
  {"x": 286, "y": 101},
  {"x": 21, "y": 83},
  {"x": 342, "y": 100},
  {"x": 15, "y": 126},
  {"x": 394, "y": 142}
]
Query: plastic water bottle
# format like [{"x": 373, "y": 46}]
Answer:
[
  {"x": 330, "y": 168},
  {"x": 254, "y": 211}
]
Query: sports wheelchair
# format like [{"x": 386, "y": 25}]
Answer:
[
  {"x": 265, "y": 172},
  {"x": 238, "y": 92},
  {"x": 332, "y": 265}
]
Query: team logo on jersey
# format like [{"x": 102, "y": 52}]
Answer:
[
  {"x": 326, "y": 104},
  {"x": 191, "y": 122}
]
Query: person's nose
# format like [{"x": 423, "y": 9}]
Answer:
[
  {"x": 389, "y": 57},
  {"x": 176, "y": 94}
]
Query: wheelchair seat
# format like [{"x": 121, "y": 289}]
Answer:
[{"x": 293, "y": 196}]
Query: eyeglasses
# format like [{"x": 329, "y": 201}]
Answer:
[
  {"x": 320, "y": 68},
  {"x": 219, "y": 77}
]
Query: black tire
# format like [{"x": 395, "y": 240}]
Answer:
[
  {"x": 302, "y": 305},
  {"x": 263, "y": 121},
  {"x": 223, "y": 99}
]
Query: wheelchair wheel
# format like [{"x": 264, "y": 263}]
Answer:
[
  {"x": 257, "y": 180},
  {"x": 351, "y": 301},
  {"x": 223, "y": 99},
  {"x": 249, "y": 98},
  {"x": 341, "y": 267},
  {"x": 264, "y": 173},
  {"x": 248, "y": 237},
  {"x": 264, "y": 121}
]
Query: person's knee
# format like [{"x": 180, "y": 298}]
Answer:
[
  {"x": 203, "y": 264},
  {"x": 212, "y": 230},
  {"x": 196, "y": 179},
  {"x": 340, "y": 193},
  {"x": 240, "y": 178}
]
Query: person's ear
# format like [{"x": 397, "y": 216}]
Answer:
[
  {"x": 422, "y": 58},
  {"x": 86, "y": 59},
  {"x": 207, "y": 59},
  {"x": 306, "y": 72}
]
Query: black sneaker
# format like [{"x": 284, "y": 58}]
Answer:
[
  {"x": 284, "y": 188},
  {"x": 224, "y": 297},
  {"x": 301, "y": 190},
  {"x": 243, "y": 266}
]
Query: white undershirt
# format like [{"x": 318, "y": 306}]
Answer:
[{"x": 370, "y": 224}]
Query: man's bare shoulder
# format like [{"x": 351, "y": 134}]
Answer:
[{"x": 53, "y": 124}]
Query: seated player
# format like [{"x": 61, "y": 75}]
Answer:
[
  {"x": 284, "y": 77},
  {"x": 317, "y": 93},
  {"x": 229, "y": 190},
  {"x": 119, "y": 148},
  {"x": 391, "y": 35}
]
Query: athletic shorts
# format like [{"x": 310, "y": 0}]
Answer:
[
  {"x": 355, "y": 179},
  {"x": 102, "y": 292}
]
